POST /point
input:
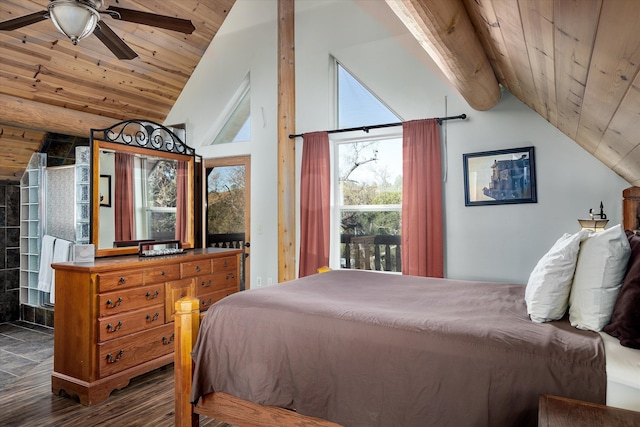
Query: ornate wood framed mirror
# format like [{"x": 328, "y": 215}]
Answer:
[{"x": 151, "y": 191}]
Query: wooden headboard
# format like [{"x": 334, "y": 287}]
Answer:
[{"x": 631, "y": 208}]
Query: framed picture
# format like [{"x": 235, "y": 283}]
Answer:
[
  {"x": 500, "y": 177},
  {"x": 105, "y": 190}
]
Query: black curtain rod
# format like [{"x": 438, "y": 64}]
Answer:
[{"x": 386, "y": 125}]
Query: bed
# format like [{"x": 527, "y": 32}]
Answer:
[{"x": 334, "y": 349}]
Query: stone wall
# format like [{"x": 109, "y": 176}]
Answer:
[{"x": 9, "y": 251}]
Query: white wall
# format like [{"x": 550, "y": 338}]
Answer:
[
  {"x": 483, "y": 242},
  {"x": 246, "y": 43}
]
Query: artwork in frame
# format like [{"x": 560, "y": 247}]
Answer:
[
  {"x": 105, "y": 190},
  {"x": 500, "y": 177}
]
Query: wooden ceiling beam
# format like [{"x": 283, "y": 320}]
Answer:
[
  {"x": 26, "y": 114},
  {"x": 444, "y": 30}
]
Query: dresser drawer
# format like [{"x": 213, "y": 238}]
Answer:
[
  {"x": 131, "y": 350},
  {"x": 162, "y": 274},
  {"x": 216, "y": 282},
  {"x": 225, "y": 263},
  {"x": 195, "y": 268},
  {"x": 130, "y": 299},
  {"x": 174, "y": 291},
  {"x": 132, "y": 321},
  {"x": 121, "y": 280},
  {"x": 206, "y": 300}
]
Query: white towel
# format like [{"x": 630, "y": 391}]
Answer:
[
  {"x": 46, "y": 256},
  {"x": 61, "y": 251}
]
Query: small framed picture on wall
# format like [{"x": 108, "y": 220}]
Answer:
[
  {"x": 105, "y": 190},
  {"x": 500, "y": 177}
]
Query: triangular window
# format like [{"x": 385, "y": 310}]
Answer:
[
  {"x": 237, "y": 127},
  {"x": 357, "y": 105}
]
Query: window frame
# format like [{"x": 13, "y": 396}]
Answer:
[
  {"x": 335, "y": 139},
  {"x": 375, "y": 135}
]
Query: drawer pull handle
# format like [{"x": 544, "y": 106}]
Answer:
[
  {"x": 152, "y": 318},
  {"x": 226, "y": 263},
  {"x": 230, "y": 276},
  {"x": 111, "y": 328},
  {"x": 206, "y": 303},
  {"x": 206, "y": 284},
  {"x": 167, "y": 341},
  {"x": 122, "y": 280},
  {"x": 111, "y": 304},
  {"x": 111, "y": 359},
  {"x": 163, "y": 273},
  {"x": 154, "y": 295},
  {"x": 197, "y": 268}
]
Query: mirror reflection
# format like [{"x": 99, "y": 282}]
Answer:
[
  {"x": 143, "y": 188},
  {"x": 146, "y": 199}
]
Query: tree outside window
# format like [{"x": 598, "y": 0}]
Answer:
[{"x": 161, "y": 200}]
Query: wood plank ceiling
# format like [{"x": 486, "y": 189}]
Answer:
[
  {"x": 575, "y": 62},
  {"x": 40, "y": 68}
]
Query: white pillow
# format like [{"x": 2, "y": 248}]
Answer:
[
  {"x": 601, "y": 267},
  {"x": 547, "y": 291}
]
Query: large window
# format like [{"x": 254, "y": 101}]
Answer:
[
  {"x": 368, "y": 203},
  {"x": 368, "y": 182}
]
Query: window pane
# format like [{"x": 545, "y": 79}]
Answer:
[
  {"x": 162, "y": 225},
  {"x": 369, "y": 223},
  {"x": 162, "y": 184},
  {"x": 370, "y": 173},
  {"x": 357, "y": 106},
  {"x": 238, "y": 127},
  {"x": 225, "y": 199},
  {"x": 370, "y": 240}
]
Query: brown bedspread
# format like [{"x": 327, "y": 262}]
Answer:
[{"x": 370, "y": 349}]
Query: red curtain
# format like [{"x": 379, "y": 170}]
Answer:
[
  {"x": 124, "y": 192},
  {"x": 315, "y": 203},
  {"x": 422, "y": 235},
  {"x": 182, "y": 203}
]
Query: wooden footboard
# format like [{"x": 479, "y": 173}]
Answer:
[{"x": 219, "y": 406}]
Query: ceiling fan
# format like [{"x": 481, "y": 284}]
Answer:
[{"x": 78, "y": 19}]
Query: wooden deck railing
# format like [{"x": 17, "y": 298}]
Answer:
[
  {"x": 371, "y": 252},
  {"x": 364, "y": 252},
  {"x": 226, "y": 240}
]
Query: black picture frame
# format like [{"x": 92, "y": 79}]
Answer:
[
  {"x": 500, "y": 177},
  {"x": 105, "y": 190}
]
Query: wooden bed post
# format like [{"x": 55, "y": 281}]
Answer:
[
  {"x": 186, "y": 323},
  {"x": 630, "y": 208}
]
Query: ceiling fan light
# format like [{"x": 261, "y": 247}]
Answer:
[{"x": 75, "y": 19}]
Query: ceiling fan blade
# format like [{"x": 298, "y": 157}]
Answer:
[
  {"x": 114, "y": 43},
  {"x": 23, "y": 21},
  {"x": 161, "y": 21}
]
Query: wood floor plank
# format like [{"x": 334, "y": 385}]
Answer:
[{"x": 147, "y": 401}]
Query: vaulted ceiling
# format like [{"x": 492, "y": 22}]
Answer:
[
  {"x": 48, "y": 84},
  {"x": 575, "y": 62}
]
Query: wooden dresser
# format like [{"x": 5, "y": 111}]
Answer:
[{"x": 113, "y": 317}]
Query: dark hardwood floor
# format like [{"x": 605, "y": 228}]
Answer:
[{"x": 26, "y": 398}]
